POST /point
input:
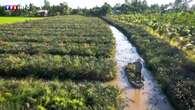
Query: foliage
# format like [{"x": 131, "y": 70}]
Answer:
[
  {"x": 54, "y": 95},
  {"x": 56, "y": 66},
  {"x": 134, "y": 75},
  {"x": 32, "y": 10},
  {"x": 178, "y": 29},
  {"x": 73, "y": 47},
  {"x": 104, "y": 10},
  {"x": 133, "y": 7},
  {"x": 131, "y": 72},
  {"x": 167, "y": 63},
  {"x": 46, "y": 5},
  {"x": 61, "y": 9},
  {"x": 181, "y": 5},
  {"x": 62, "y": 48}
]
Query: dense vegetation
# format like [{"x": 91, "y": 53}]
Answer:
[
  {"x": 131, "y": 72},
  {"x": 134, "y": 75},
  {"x": 178, "y": 29},
  {"x": 171, "y": 68},
  {"x": 60, "y": 47},
  {"x": 76, "y": 48},
  {"x": 32, "y": 10},
  {"x": 130, "y": 6},
  {"x": 55, "y": 95}
]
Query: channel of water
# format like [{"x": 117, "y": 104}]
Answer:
[{"x": 150, "y": 96}]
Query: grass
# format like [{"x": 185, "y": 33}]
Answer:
[{"x": 8, "y": 20}]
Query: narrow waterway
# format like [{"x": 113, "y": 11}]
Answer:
[{"x": 150, "y": 96}]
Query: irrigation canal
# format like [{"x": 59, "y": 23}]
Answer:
[{"x": 150, "y": 96}]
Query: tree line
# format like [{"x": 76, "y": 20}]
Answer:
[
  {"x": 133, "y": 6},
  {"x": 31, "y": 10}
]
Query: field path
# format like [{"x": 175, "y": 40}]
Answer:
[{"x": 150, "y": 96}]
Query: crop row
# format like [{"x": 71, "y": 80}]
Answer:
[
  {"x": 55, "y": 66},
  {"x": 57, "y": 63},
  {"x": 35, "y": 30},
  {"x": 169, "y": 65},
  {"x": 82, "y": 48},
  {"x": 57, "y": 26},
  {"x": 54, "y": 33},
  {"x": 68, "y": 22},
  {"x": 54, "y": 95},
  {"x": 61, "y": 39}
]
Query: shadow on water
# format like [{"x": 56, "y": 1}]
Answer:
[{"x": 150, "y": 96}]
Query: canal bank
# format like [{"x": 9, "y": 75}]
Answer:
[{"x": 150, "y": 96}]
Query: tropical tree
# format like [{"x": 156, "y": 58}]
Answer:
[
  {"x": 2, "y": 11},
  {"x": 105, "y": 9},
  {"x": 193, "y": 7},
  {"x": 155, "y": 8},
  {"x": 63, "y": 8},
  {"x": 32, "y": 10},
  {"x": 181, "y": 5},
  {"x": 46, "y": 5}
]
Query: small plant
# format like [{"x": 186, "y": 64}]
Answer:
[
  {"x": 41, "y": 95},
  {"x": 134, "y": 75}
]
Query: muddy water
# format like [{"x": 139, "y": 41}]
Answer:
[{"x": 147, "y": 98}]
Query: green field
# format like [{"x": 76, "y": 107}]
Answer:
[
  {"x": 57, "y": 63},
  {"x": 7, "y": 20},
  {"x": 65, "y": 62}
]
